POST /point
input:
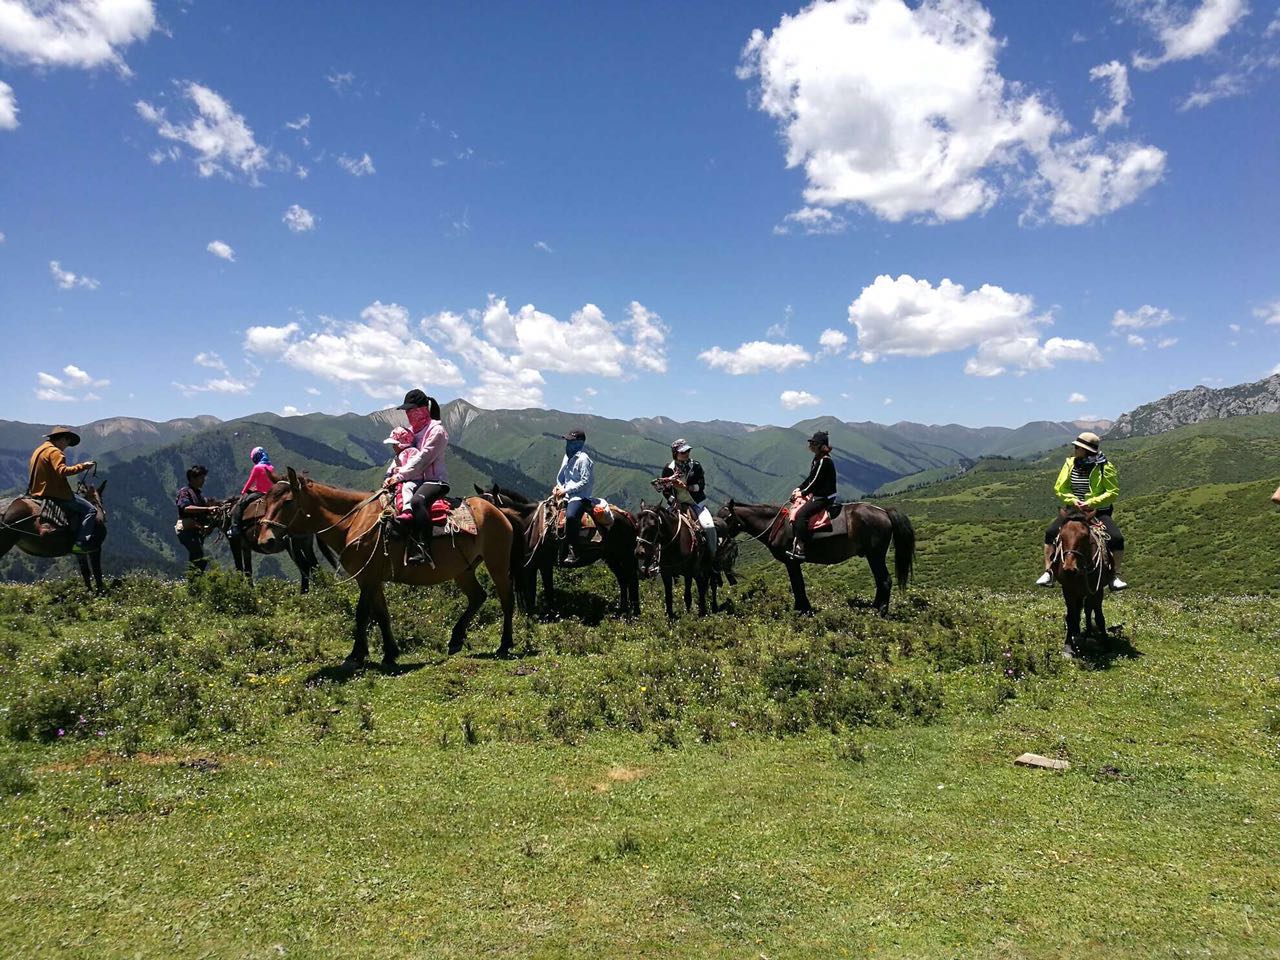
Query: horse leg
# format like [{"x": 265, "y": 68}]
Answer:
[
  {"x": 798, "y": 592},
  {"x": 84, "y": 572},
  {"x": 360, "y": 649},
  {"x": 1099, "y": 621},
  {"x": 475, "y": 597},
  {"x": 548, "y": 573},
  {"x": 1073, "y": 628},
  {"x": 95, "y": 563},
  {"x": 298, "y": 553},
  {"x": 499, "y": 567},
  {"x": 378, "y": 610},
  {"x": 702, "y": 594},
  {"x": 688, "y": 593},
  {"x": 884, "y": 581},
  {"x": 666, "y": 591}
]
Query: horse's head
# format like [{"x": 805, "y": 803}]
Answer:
[
  {"x": 648, "y": 544},
  {"x": 93, "y": 493},
  {"x": 732, "y": 523},
  {"x": 286, "y": 503},
  {"x": 1075, "y": 545}
]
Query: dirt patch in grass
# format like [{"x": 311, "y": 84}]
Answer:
[
  {"x": 618, "y": 774},
  {"x": 203, "y": 762}
]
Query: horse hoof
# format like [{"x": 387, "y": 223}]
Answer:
[
  {"x": 353, "y": 663},
  {"x": 388, "y": 663},
  {"x": 1069, "y": 652},
  {"x": 455, "y": 646},
  {"x": 503, "y": 652}
]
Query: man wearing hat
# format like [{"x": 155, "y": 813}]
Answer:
[
  {"x": 48, "y": 481},
  {"x": 820, "y": 488},
  {"x": 425, "y": 467},
  {"x": 574, "y": 482},
  {"x": 1087, "y": 481},
  {"x": 689, "y": 486}
]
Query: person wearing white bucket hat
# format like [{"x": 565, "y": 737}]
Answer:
[{"x": 1087, "y": 481}]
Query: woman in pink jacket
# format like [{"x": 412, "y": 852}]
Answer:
[{"x": 426, "y": 469}]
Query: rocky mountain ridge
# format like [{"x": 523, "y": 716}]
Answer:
[{"x": 1197, "y": 405}]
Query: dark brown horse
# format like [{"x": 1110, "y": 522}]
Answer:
[
  {"x": 1082, "y": 566},
  {"x": 871, "y": 530},
  {"x": 673, "y": 543},
  {"x": 351, "y": 524},
  {"x": 535, "y": 521},
  {"x": 20, "y": 526},
  {"x": 301, "y": 547}
]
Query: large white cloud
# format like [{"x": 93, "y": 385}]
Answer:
[
  {"x": 219, "y": 139},
  {"x": 1186, "y": 33},
  {"x": 755, "y": 357},
  {"x": 794, "y": 399},
  {"x": 73, "y": 33},
  {"x": 902, "y": 111},
  {"x": 8, "y": 108},
  {"x": 1080, "y": 182},
  {"x": 913, "y": 318},
  {"x": 75, "y": 384}
]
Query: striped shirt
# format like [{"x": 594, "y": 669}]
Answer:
[{"x": 1080, "y": 471}]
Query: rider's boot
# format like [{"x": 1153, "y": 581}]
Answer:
[
  {"x": 1046, "y": 578},
  {"x": 419, "y": 551},
  {"x": 1116, "y": 582}
]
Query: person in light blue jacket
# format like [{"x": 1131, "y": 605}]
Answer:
[{"x": 574, "y": 483}]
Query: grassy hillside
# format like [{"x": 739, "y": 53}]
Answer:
[{"x": 182, "y": 773}]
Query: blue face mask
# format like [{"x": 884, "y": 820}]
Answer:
[{"x": 573, "y": 446}]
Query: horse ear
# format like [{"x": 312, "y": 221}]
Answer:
[
  {"x": 294, "y": 482},
  {"x": 102, "y": 487},
  {"x": 479, "y": 489}
]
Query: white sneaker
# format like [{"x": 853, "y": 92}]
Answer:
[
  {"x": 1118, "y": 584},
  {"x": 1046, "y": 580}
]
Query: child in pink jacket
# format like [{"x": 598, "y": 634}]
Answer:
[{"x": 401, "y": 441}]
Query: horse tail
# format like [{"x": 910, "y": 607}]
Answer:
[
  {"x": 904, "y": 545},
  {"x": 326, "y": 553}
]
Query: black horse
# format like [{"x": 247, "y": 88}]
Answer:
[
  {"x": 670, "y": 540},
  {"x": 534, "y": 521},
  {"x": 870, "y": 531},
  {"x": 300, "y": 547}
]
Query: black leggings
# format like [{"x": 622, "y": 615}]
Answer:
[
  {"x": 1108, "y": 524},
  {"x": 193, "y": 540},
  {"x": 428, "y": 491},
  {"x": 801, "y": 523}
]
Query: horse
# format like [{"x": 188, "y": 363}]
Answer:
[
  {"x": 351, "y": 524},
  {"x": 535, "y": 521},
  {"x": 1082, "y": 566},
  {"x": 670, "y": 540},
  {"x": 871, "y": 530},
  {"x": 300, "y": 547},
  {"x": 20, "y": 527}
]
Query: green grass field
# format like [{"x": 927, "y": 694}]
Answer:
[{"x": 183, "y": 773}]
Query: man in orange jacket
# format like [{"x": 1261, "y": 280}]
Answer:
[{"x": 48, "y": 481}]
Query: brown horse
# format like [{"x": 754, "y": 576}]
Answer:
[
  {"x": 672, "y": 543},
  {"x": 350, "y": 523},
  {"x": 534, "y": 521},
  {"x": 1082, "y": 566},
  {"x": 301, "y": 547},
  {"x": 871, "y": 530},
  {"x": 20, "y": 527}
]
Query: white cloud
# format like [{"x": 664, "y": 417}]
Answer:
[
  {"x": 269, "y": 341},
  {"x": 1116, "y": 76},
  {"x": 909, "y": 317},
  {"x": 814, "y": 221},
  {"x": 290, "y": 411},
  {"x": 755, "y": 356},
  {"x": 902, "y": 111},
  {"x": 1077, "y": 398},
  {"x": 357, "y": 167},
  {"x": 794, "y": 399},
  {"x": 68, "y": 280},
  {"x": 1146, "y": 317},
  {"x": 1186, "y": 36},
  {"x": 299, "y": 219},
  {"x": 648, "y": 336},
  {"x": 75, "y": 384},
  {"x": 301, "y": 123},
  {"x": 220, "y": 249},
  {"x": 210, "y": 360},
  {"x": 8, "y": 108},
  {"x": 2, "y": 236},
  {"x": 341, "y": 82},
  {"x": 219, "y": 138},
  {"x": 73, "y": 33},
  {"x": 224, "y": 385},
  {"x": 1165, "y": 343},
  {"x": 1135, "y": 341},
  {"x": 1243, "y": 76},
  {"x": 1269, "y": 313},
  {"x": 543, "y": 246},
  {"x": 833, "y": 341}
]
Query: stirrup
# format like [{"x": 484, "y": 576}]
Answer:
[{"x": 797, "y": 550}]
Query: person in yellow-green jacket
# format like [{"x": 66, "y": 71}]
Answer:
[{"x": 1088, "y": 481}]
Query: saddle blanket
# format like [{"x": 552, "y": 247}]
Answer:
[
  {"x": 448, "y": 517},
  {"x": 822, "y": 523},
  {"x": 50, "y": 516}
]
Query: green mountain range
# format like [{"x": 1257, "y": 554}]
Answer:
[{"x": 146, "y": 461}]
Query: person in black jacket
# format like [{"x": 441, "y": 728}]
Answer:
[
  {"x": 687, "y": 484},
  {"x": 820, "y": 489},
  {"x": 193, "y": 525}
]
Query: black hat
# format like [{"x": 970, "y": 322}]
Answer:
[
  {"x": 198, "y": 470},
  {"x": 64, "y": 432},
  {"x": 820, "y": 436},
  {"x": 577, "y": 433},
  {"x": 413, "y": 399}
]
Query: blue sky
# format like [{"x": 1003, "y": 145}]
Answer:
[{"x": 875, "y": 209}]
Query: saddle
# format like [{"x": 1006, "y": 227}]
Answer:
[
  {"x": 595, "y": 523},
  {"x": 449, "y": 517},
  {"x": 830, "y": 522},
  {"x": 47, "y": 516}
]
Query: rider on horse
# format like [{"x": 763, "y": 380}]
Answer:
[
  {"x": 48, "y": 481},
  {"x": 687, "y": 486},
  {"x": 1087, "y": 482},
  {"x": 425, "y": 469},
  {"x": 262, "y": 476},
  {"x": 574, "y": 483},
  {"x": 818, "y": 490}
]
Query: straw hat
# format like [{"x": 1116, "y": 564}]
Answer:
[{"x": 1088, "y": 442}]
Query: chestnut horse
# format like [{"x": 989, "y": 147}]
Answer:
[
  {"x": 871, "y": 530},
  {"x": 533, "y": 521},
  {"x": 350, "y": 523},
  {"x": 20, "y": 527},
  {"x": 672, "y": 543},
  {"x": 1082, "y": 566}
]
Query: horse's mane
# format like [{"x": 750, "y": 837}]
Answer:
[{"x": 513, "y": 495}]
